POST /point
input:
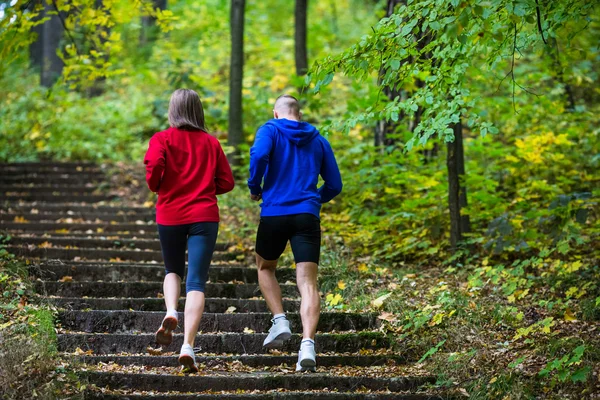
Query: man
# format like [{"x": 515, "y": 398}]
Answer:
[{"x": 290, "y": 155}]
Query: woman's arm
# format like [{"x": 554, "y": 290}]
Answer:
[
  {"x": 155, "y": 162},
  {"x": 223, "y": 175}
]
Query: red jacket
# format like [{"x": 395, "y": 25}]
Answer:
[{"x": 187, "y": 169}]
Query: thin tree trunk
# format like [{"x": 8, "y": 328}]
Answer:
[
  {"x": 559, "y": 74},
  {"x": 300, "y": 37},
  {"x": 98, "y": 87},
  {"x": 236, "y": 134},
  {"x": 52, "y": 32},
  {"x": 36, "y": 47},
  {"x": 457, "y": 197},
  {"x": 465, "y": 222},
  {"x": 149, "y": 31}
]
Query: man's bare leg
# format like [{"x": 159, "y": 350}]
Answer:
[
  {"x": 268, "y": 284},
  {"x": 306, "y": 277}
]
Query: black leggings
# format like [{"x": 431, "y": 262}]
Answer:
[{"x": 200, "y": 239}]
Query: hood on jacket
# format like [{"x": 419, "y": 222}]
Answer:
[{"x": 298, "y": 132}]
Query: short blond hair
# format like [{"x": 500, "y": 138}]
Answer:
[{"x": 186, "y": 111}]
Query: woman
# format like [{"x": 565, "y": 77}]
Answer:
[{"x": 187, "y": 168}]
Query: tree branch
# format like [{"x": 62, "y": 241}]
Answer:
[
  {"x": 539, "y": 20},
  {"x": 62, "y": 20}
]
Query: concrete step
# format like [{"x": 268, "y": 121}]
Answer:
[
  {"x": 149, "y": 321},
  {"x": 27, "y": 168},
  {"x": 151, "y": 234},
  {"x": 85, "y": 216},
  {"x": 89, "y": 243},
  {"x": 254, "y": 361},
  {"x": 219, "y": 343},
  {"x": 61, "y": 253},
  {"x": 53, "y": 177},
  {"x": 54, "y": 198},
  {"x": 272, "y": 395},
  {"x": 65, "y": 208},
  {"x": 213, "y": 305},
  {"x": 106, "y": 227},
  {"x": 149, "y": 289},
  {"x": 254, "y": 381},
  {"x": 52, "y": 188},
  {"x": 148, "y": 273}
]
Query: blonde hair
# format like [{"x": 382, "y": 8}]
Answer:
[{"x": 186, "y": 111}]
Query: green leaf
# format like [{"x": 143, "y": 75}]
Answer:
[
  {"x": 432, "y": 351},
  {"x": 395, "y": 64},
  {"x": 580, "y": 375}
]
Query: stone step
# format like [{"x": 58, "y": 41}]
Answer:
[
  {"x": 148, "y": 234},
  {"x": 54, "y": 198},
  {"x": 76, "y": 208},
  {"x": 149, "y": 289},
  {"x": 53, "y": 177},
  {"x": 253, "y": 381},
  {"x": 27, "y": 168},
  {"x": 226, "y": 343},
  {"x": 62, "y": 253},
  {"x": 89, "y": 243},
  {"x": 53, "y": 188},
  {"x": 85, "y": 216},
  {"x": 105, "y": 227},
  {"x": 149, "y": 321},
  {"x": 148, "y": 273},
  {"x": 213, "y": 305},
  {"x": 254, "y": 361},
  {"x": 272, "y": 395},
  {"x": 49, "y": 164}
]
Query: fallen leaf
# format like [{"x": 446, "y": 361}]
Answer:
[
  {"x": 569, "y": 316},
  {"x": 378, "y": 302},
  {"x": 154, "y": 352},
  {"x": 248, "y": 330},
  {"x": 66, "y": 278},
  {"x": 341, "y": 285},
  {"x": 230, "y": 310}
]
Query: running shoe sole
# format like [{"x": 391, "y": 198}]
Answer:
[
  {"x": 278, "y": 341},
  {"x": 164, "y": 336},
  {"x": 188, "y": 363}
]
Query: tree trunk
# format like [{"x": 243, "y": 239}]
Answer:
[
  {"x": 300, "y": 37},
  {"x": 457, "y": 196},
  {"x": 149, "y": 31},
  {"x": 51, "y": 64},
  {"x": 236, "y": 74},
  {"x": 559, "y": 73},
  {"x": 37, "y": 46}
]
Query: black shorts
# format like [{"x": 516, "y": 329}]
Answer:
[{"x": 302, "y": 230}]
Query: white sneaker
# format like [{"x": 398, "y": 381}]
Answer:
[
  {"x": 279, "y": 333},
  {"x": 307, "y": 357},
  {"x": 187, "y": 359}
]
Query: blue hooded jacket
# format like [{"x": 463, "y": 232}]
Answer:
[{"x": 291, "y": 155}]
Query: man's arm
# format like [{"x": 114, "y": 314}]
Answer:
[
  {"x": 330, "y": 174},
  {"x": 259, "y": 160},
  {"x": 155, "y": 162}
]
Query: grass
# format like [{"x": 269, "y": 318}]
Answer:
[{"x": 30, "y": 366}]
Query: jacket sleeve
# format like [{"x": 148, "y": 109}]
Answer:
[
  {"x": 259, "y": 158},
  {"x": 330, "y": 173},
  {"x": 155, "y": 162},
  {"x": 224, "y": 181}
]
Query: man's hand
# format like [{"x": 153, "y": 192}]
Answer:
[{"x": 256, "y": 197}]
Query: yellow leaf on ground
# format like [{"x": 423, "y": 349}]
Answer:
[
  {"x": 248, "y": 330},
  {"x": 66, "y": 278},
  {"x": 342, "y": 285},
  {"x": 569, "y": 316},
  {"x": 20, "y": 220},
  {"x": 363, "y": 268},
  {"x": 154, "y": 352},
  {"x": 230, "y": 310},
  {"x": 378, "y": 302}
]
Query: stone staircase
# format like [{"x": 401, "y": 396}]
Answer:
[{"x": 99, "y": 262}]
